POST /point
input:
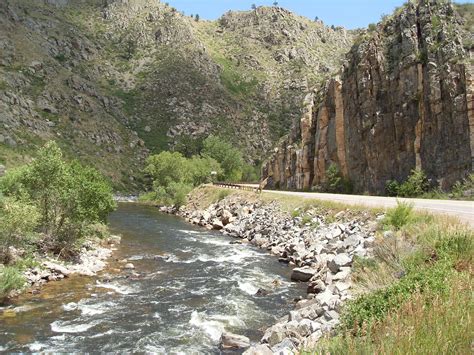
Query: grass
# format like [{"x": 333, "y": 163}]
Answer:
[
  {"x": 399, "y": 216},
  {"x": 10, "y": 279},
  {"x": 415, "y": 294},
  {"x": 422, "y": 325}
]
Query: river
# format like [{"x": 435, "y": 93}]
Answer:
[{"x": 192, "y": 284}]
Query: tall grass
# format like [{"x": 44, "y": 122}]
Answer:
[{"x": 422, "y": 325}]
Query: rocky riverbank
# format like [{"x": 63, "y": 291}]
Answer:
[
  {"x": 321, "y": 249},
  {"x": 91, "y": 259}
]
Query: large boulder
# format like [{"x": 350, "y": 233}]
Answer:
[
  {"x": 234, "y": 341},
  {"x": 339, "y": 261},
  {"x": 303, "y": 274}
]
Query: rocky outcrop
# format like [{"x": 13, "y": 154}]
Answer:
[
  {"x": 403, "y": 101},
  {"x": 320, "y": 251}
]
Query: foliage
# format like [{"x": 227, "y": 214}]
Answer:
[
  {"x": 391, "y": 188},
  {"x": 250, "y": 173},
  {"x": 173, "y": 194},
  {"x": 424, "y": 324},
  {"x": 335, "y": 182},
  {"x": 10, "y": 279},
  {"x": 465, "y": 188},
  {"x": 18, "y": 220},
  {"x": 400, "y": 215},
  {"x": 188, "y": 145},
  {"x": 68, "y": 196},
  {"x": 226, "y": 155},
  {"x": 416, "y": 184},
  {"x": 167, "y": 167},
  {"x": 174, "y": 176}
]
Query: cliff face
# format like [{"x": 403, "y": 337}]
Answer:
[{"x": 404, "y": 100}]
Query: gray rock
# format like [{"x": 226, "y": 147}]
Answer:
[
  {"x": 340, "y": 260},
  {"x": 303, "y": 274},
  {"x": 129, "y": 266},
  {"x": 285, "y": 347},
  {"x": 260, "y": 349},
  {"x": 234, "y": 341}
]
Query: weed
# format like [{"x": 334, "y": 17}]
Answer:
[
  {"x": 399, "y": 216},
  {"x": 10, "y": 279}
]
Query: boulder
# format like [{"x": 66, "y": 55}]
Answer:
[
  {"x": 217, "y": 224},
  {"x": 260, "y": 349},
  {"x": 303, "y": 274},
  {"x": 129, "y": 266},
  {"x": 340, "y": 260},
  {"x": 234, "y": 341}
]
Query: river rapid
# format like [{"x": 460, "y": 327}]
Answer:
[{"x": 192, "y": 284}]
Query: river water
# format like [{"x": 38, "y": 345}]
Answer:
[{"x": 192, "y": 285}]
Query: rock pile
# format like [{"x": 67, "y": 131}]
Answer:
[
  {"x": 321, "y": 253},
  {"x": 91, "y": 260}
]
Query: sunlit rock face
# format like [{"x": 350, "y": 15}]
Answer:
[{"x": 404, "y": 100}]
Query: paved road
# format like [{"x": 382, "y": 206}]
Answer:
[{"x": 463, "y": 210}]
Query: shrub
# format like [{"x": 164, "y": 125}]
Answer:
[
  {"x": 10, "y": 279},
  {"x": 173, "y": 194},
  {"x": 229, "y": 158},
  {"x": 335, "y": 182},
  {"x": 167, "y": 167},
  {"x": 391, "y": 188},
  {"x": 416, "y": 185},
  {"x": 399, "y": 216},
  {"x": 17, "y": 222},
  {"x": 68, "y": 196},
  {"x": 465, "y": 188}
]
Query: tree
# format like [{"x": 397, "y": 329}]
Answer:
[
  {"x": 68, "y": 196},
  {"x": 254, "y": 7},
  {"x": 229, "y": 158},
  {"x": 167, "y": 167},
  {"x": 197, "y": 18},
  {"x": 275, "y": 3},
  {"x": 18, "y": 220},
  {"x": 316, "y": 18}
]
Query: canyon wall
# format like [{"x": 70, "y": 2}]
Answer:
[{"x": 404, "y": 100}]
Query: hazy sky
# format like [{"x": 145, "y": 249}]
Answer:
[{"x": 348, "y": 13}]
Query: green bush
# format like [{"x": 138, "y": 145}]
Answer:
[
  {"x": 335, "y": 182},
  {"x": 374, "y": 306},
  {"x": 391, "y": 188},
  {"x": 465, "y": 188},
  {"x": 229, "y": 158},
  {"x": 18, "y": 220},
  {"x": 416, "y": 185},
  {"x": 10, "y": 279},
  {"x": 68, "y": 196},
  {"x": 399, "y": 216}
]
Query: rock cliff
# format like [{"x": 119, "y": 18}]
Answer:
[{"x": 403, "y": 100}]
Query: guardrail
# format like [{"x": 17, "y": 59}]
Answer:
[{"x": 228, "y": 185}]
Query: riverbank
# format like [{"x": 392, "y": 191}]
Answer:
[
  {"x": 362, "y": 265},
  {"x": 320, "y": 245},
  {"x": 91, "y": 259}
]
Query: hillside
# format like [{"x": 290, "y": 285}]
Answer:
[
  {"x": 113, "y": 81},
  {"x": 403, "y": 100}
]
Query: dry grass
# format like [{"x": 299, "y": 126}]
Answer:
[{"x": 422, "y": 325}]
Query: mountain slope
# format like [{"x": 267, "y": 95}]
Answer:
[{"x": 113, "y": 80}]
